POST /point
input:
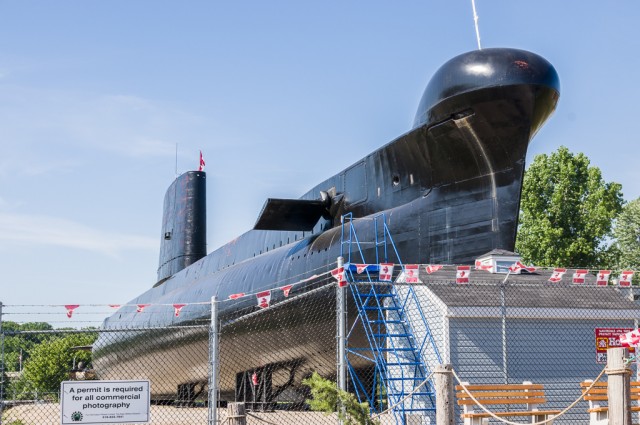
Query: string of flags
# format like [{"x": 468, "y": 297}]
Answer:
[{"x": 409, "y": 274}]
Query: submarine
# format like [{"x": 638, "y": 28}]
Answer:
[{"x": 449, "y": 189}]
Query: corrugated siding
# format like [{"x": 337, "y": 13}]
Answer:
[{"x": 557, "y": 353}]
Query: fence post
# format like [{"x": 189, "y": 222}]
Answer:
[
  {"x": 213, "y": 363},
  {"x": 618, "y": 390},
  {"x": 443, "y": 381},
  {"x": 236, "y": 414},
  {"x": 341, "y": 310}
]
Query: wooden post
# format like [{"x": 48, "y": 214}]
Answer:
[
  {"x": 236, "y": 414},
  {"x": 443, "y": 380},
  {"x": 618, "y": 390}
]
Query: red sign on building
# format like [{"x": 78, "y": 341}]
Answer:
[{"x": 609, "y": 338}]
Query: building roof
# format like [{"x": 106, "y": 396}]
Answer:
[{"x": 527, "y": 290}]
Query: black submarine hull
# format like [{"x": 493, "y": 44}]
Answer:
[{"x": 449, "y": 190}]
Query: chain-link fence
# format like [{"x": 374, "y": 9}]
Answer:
[{"x": 495, "y": 329}]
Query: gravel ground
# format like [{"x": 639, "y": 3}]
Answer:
[{"x": 49, "y": 414}]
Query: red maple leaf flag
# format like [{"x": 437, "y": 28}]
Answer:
[
  {"x": 432, "y": 268},
  {"x": 579, "y": 277},
  {"x": 557, "y": 274},
  {"x": 264, "y": 299},
  {"x": 286, "y": 289},
  {"x": 360, "y": 268},
  {"x": 177, "y": 308},
  {"x": 141, "y": 307},
  {"x": 114, "y": 305},
  {"x": 411, "y": 273},
  {"x": 630, "y": 339},
  {"x": 602, "y": 279},
  {"x": 480, "y": 266},
  {"x": 338, "y": 275},
  {"x": 518, "y": 266},
  {"x": 625, "y": 277},
  {"x": 236, "y": 296},
  {"x": 386, "y": 272},
  {"x": 70, "y": 308},
  {"x": 462, "y": 274},
  {"x": 202, "y": 164}
]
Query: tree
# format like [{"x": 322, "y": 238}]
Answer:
[
  {"x": 566, "y": 212},
  {"x": 51, "y": 361},
  {"x": 327, "y": 398},
  {"x": 627, "y": 235},
  {"x": 18, "y": 344}
]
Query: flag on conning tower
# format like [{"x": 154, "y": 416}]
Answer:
[{"x": 202, "y": 164}]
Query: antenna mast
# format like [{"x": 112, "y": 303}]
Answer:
[{"x": 475, "y": 20}]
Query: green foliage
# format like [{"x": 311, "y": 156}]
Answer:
[
  {"x": 566, "y": 212},
  {"x": 327, "y": 398},
  {"x": 49, "y": 364},
  {"x": 22, "y": 343},
  {"x": 627, "y": 235}
]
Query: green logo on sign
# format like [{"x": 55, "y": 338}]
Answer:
[{"x": 76, "y": 416}]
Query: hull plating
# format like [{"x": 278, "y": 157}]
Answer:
[{"x": 450, "y": 189}]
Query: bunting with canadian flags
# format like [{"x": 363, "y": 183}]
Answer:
[
  {"x": 625, "y": 278},
  {"x": 140, "y": 307},
  {"x": 339, "y": 275},
  {"x": 264, "y": 299},
  {"x": 411, "y": 273},
  {"x": 360, "y": 268},
  {"x": 557, "y": 274},
  {"x": 432, "y": 268},
  {"x": 286, "y": 289},
  {"x": 518, "y": 266},
  {"x": 462, "y": 274},
  {"x": 480, "y": 266},
  {"x": 630, "y": 339},
  {"x": 579, "y": 276},
  {"x": 602, "y": 278},
  {"x": 177, "y": 308},
  {"x": 386, "y": 272},
  {"x": 70, "y": 308}
]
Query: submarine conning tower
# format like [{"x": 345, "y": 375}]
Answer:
[{"x": 184, "y": 224}]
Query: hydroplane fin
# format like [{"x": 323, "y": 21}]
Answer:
[{"x": 290, "y": 214}]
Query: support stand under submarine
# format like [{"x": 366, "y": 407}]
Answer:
[{"x": 449, "y": 188}]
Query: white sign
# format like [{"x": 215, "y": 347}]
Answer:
[{"x": 104, "y": 402}]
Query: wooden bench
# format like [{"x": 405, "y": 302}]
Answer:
[
  {"x": 597, "y": 396},
  {"x": 527, "y": 395}
]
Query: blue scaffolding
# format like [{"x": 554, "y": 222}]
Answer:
[{"x": 388, "y": 368}]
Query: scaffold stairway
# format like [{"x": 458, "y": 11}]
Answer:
[{"x": 391, "y": 345}]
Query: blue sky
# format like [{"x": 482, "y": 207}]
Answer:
[{"x": 278, "y": 95}]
